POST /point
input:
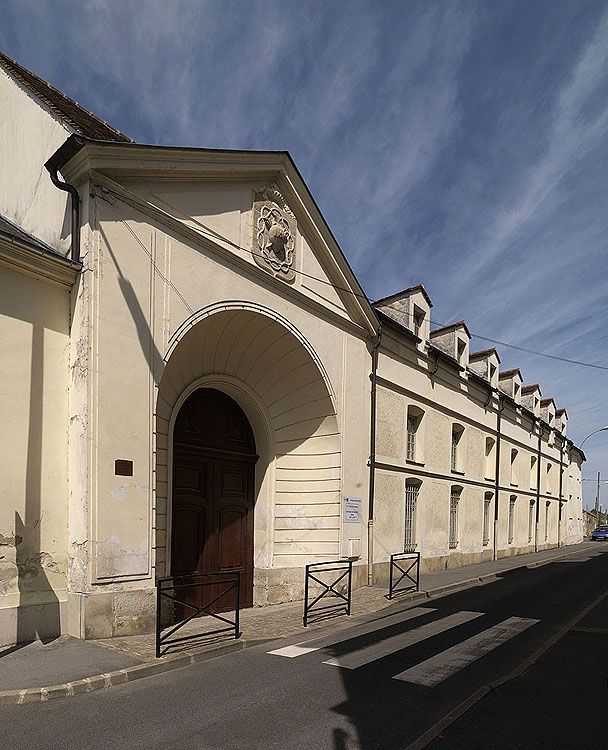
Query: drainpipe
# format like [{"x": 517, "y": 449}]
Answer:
[
  {"x": 540, "y": 436},
  {"x": 501, "y": 406},
  {"x": 61, "y": 157},
  {"x": 561, "y": 486},
  {"x": 372, "y": 460}
]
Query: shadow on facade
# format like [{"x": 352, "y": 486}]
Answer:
[{"x": 38, "y": 615}]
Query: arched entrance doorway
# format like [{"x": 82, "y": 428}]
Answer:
[{"x": 214, "y": 459}]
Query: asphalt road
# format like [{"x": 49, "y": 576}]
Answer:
[{"x": 392, "y": 678}]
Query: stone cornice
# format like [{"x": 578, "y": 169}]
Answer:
[
  {"x": 100, "y": 183},
  {"x": 37, "y": 262},
  {"x": 116, "y": 162}
]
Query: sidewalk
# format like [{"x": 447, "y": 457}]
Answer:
[{"x": 73, "y": 666}]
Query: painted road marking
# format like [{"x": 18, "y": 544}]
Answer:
[
  {"x": 443, "y": 665},
  {"x": 315, "y": 644},
  {"x": 367, "y": 654}
]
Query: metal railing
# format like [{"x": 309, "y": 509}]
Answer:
[
  {"x": 229, "y": 582},
  {"x": 313, "y": 571},
  {"x": 402, "y": 564}
]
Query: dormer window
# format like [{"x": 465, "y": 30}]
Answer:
[
  {"x": 536, "y": 404},
  {"x": 491, "y": 372},
  {"x": 516, "y": 390},
  {"x": 461, "y": 349},
  {"x": 418, "y": 321}
]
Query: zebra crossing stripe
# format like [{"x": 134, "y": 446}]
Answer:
[
  {"x": 315, "y": 644},
  {"x": 367, "y": 654},
  {"x": 443, "y": 665}
]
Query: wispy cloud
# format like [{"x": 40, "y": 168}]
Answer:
[{"x": 462, "y": 144}]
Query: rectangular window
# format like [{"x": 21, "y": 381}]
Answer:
[
  {"x": 490, "y": 458},
  {"x": 413, "y": 422},
  {"x": 514, "y": 474},
  {"x": 418, "y": 321},
  {"x": 454, "y": 499},
  {"x": 549, "y": 479},
  {"x": 455, "y": 458},
  {"x": 531, "y": 521},
  {"x": 511, "y": 517},
  {"x": 411, "y": 501},
  {"x": 411, "y": 437},
  {"x": 487, "y": 504},
  {"x": 547, "y": 504},
  {"x": 533, "y": 472}
]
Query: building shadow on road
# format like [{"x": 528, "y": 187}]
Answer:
[{"x": 386, "y": 714}]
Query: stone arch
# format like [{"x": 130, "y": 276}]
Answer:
[{"x": 267, "y": 366}]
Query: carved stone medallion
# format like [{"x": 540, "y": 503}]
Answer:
[{"x": 274, "y": 233}]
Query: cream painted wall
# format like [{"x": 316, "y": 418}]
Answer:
[
  {"x": 151, "y": 294},
  {"x": 445, "y": 398},
  {"x": 29, "y": 135},
  {"x": 34, "y": 330}
]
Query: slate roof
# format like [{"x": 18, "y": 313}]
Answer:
[
  {"x": 451, "y": 327},
  {"x": 73, "y": 114},
  {"x": 396, "y": 295},
  {"x": 14, "y": 233}
]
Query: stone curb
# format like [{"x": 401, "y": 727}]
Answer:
[
  {"x": 139, "y": 671},
  {"x": 121, "y": 676}
]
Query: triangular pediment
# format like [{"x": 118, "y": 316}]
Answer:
[{"x": 252, "y": 206}]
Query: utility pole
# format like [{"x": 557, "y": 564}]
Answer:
[{"x": 597, "y": 501}]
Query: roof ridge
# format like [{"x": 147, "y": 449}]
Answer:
[{"x": 79, "y": 118}]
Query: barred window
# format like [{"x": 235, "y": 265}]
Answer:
[
  {"x": 531, "y": 521},
  {"x": 457, "y": 433},
  {"x": 414, "y": 419},
  {"x": 514, "y": 473},
  {"x": 412, "y": 488},
  {"x": 487, "y": 503},
  {"x": 512, "y": 500},
  {"x": 454, "y": 500},
  {"x": 412, "y": 426},
  {"x": 533, "y": 472},
  {"x": 547, "y": 504},
  {"x": 490, "y": 458}
]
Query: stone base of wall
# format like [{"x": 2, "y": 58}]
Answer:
[
  {"x": 31, "y": 622},
  {"x": 109, "y": 614},
  {"x": 279, "y": 585}
]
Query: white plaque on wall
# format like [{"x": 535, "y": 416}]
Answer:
[{"x": 352, "y": 510}]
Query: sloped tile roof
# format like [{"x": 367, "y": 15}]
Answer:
[{"x": 73, "y": 114}]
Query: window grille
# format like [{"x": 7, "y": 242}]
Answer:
[
  {"x": 514, "y": 476},
  {"x": 486, "y": 519},
  {"x": 454, "y": 458},
  {"x": 454, "y": 498},
  {"x": 531, "y": 521},
  {"x": 547, "y": 519},
  {"x": 411, "y": 500},
  {"x": 412, "y": 425},
  {"x": 511, "y": 518}
]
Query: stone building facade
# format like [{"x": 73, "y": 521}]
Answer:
[{"x": 189, "y": 374}]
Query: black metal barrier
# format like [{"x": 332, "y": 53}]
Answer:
[
  {"x": 404, "y": 563},
  {"x": 227, "y": 582},
  {"x": 345, "y": 568}
]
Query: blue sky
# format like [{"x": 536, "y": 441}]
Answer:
[{"x": 463, "y": 145}]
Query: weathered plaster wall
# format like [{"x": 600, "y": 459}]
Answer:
[
  {"x": 145, "y": 300},
  {"x": 448, "y": 397},
  {"x": 29, "y": 134},
  {"x": 34, "y": 320}
]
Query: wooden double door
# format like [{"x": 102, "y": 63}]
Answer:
[{"x": 213, "y": 496}]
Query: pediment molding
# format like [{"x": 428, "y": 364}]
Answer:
[{"x": 115, "y": 162}]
